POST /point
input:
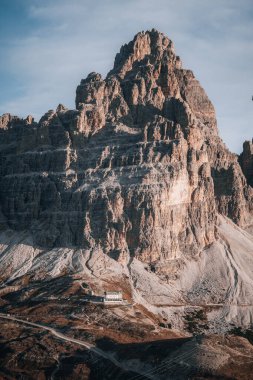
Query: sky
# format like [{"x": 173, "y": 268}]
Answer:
[{"x": 48, "y": 46}]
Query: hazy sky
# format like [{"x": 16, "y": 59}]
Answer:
[{"x": 47, "y": 46}]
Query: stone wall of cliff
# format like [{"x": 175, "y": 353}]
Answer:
[{"x": 137, "y": 169}]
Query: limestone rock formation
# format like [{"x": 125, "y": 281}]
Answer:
[
  {"x": 133, "y": 189},
  {"x": 138, "y": 169}
]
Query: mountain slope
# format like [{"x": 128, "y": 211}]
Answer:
[{"x": 134, "y": 185}]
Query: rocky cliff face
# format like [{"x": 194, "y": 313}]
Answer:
[{"x": 138, "y": 169}]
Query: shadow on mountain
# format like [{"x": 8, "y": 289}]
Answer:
[{"x": 170, "y": 359}]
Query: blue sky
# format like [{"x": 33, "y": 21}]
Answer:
[{"x": 48, "y": 46}]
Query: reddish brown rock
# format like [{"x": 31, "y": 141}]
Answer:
[{"x": 138, "y": 169}]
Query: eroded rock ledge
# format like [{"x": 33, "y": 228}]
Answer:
[{"x": 138, "y": 169}]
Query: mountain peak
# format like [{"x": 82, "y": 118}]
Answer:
[
  {"x": 148, "y": 122},
  {"x": 136, "y": 173},
  {"x": 146, "y": 47}
]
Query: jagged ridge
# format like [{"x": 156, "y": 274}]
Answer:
[{"x": 137, "y": 169}]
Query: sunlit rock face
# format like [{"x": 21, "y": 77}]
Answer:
[{"x": 138, "y": 169}]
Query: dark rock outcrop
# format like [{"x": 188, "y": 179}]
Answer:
[{"x": 246, "y": 161}]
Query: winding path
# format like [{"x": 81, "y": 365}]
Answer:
[{"x": 92, "y": 348}]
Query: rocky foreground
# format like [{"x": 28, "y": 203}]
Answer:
[{"x": 133, "y": 191}]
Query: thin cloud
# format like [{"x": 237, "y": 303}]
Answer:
[{"x": 70, "y": 39}]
